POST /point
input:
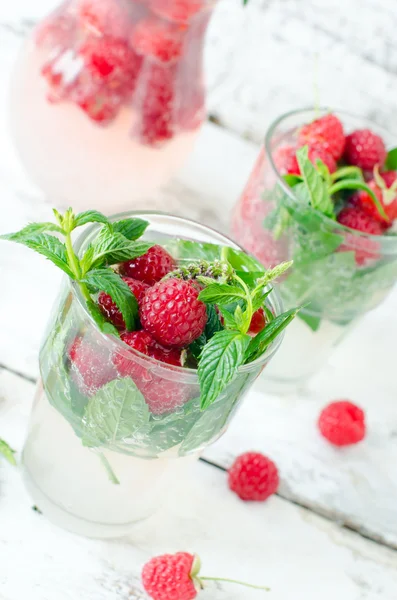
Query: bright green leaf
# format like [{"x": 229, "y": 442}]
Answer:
[
  {"x": 391, "y": 160},
  {"x": 355, "y": 184},
  {"x": 132, "y": 229},
  {"x": 90, "y": 216},
  {"x": 320, "y": 198},
  {"x": 221, "y": 293},
  {"x": 7, "y": 452},
  {"x": 264, "y": 338}
]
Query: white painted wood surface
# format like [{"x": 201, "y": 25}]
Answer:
[{"x": 298, "y": 554}]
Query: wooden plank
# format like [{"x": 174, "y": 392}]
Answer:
[{"x": 296, "y": 553}]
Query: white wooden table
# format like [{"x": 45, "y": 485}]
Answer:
[{"x": 332, "y": 529}]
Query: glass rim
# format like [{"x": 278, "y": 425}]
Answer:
[
  {"x": 123, "y": 348},
  {"x": 388, "y": 241}
]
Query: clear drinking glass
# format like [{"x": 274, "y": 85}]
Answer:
[
  {"x": 116, "y": 98},
  {"x": 338, "y": 273},
  {"x": 99, "y": 472}
]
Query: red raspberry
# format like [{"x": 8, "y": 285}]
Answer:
[
  {"x": 109, "y": 308},
  {"x": 365, "y": 149},
  {"x": 172, "y": 313},
  {"x": 145, "y": 343},
  {"x": 111, "y": 61},
  {"x": 316, "y": 152},
  {"x": 326, "y": 132},
  {"x": 99, "y": 17},
  {"x": 285, "y": 161},
  {"x": 150, "y": 267},
  {"x": 387, "y": 199},
  {"x": 156, "y": 120},
  {"x": 253, "y": 477},
  {"x": 169, "y": 577},
  {"x": 90, "y": 368},
  {"x": 365, "y": 249},
  {"x": 158, "y": 39},
  {"x": 258, "y": 322},
  {"x": 342, "y": 423},
  {"x": 180, "y": 11}
]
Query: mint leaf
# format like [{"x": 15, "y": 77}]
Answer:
[
  {"x": 315, "y": 245},
  {"x": 7, "y": 452},
  {"x": 292, "y": 180},
  {"x": 264, "y": 338},
  {"x": 355, "y": 184},
  {"x": 320, "y": 198},
  {"x": 111, "y": 248},
  {"x": 348, "y": 173},
  {"x": 192, "y": 251},
  {"x": 220, "y": 359},
  {"x": 213, "y": 326},
  {"x": 89, "y": 216},
  {"x": 116, "y": 413},
  {"x": 259, "y": 299},
  {"x": 229, "y": 321},
  {"x": 274, "y": 273},
  {"x": 100, "y": 319},
  {"x": 221, "y": 293},
  {"x": 132, "y": 229},
  {"x": 106, "y": 280},
  {"x": 32, "y": 229},
  {"x": 45, "y": 244},
  {"x": 313, "y": 321},
  {"x": 391, "y": 160},
  {"x": 242, "y": 319}
]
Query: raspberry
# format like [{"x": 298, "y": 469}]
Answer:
[
  {"x": 150, "y": 267},
  {"x": 253, "y": 477},
  {"x": 326, "y": 132},
  {"x": 364, "y": 248},
  {"x": 156, "y": 123},
  {"x": 316, "y": 152},
  {"x": 99, "y": 17},
  {"x": 172, "y": 313},
  {"x": 158, "y": 39},
  {"x": 100, "y": 108},
  {"x": 110, "y": 60},
  {"x": 285, "y": 161},
  {"x": 387, "y": 199},
  {"x": 168, "y": 577},
  {"x": 109, "y": 308},
  {"x": 342, "y": 423},
  {"x": 161, "y": 394},
  {"x": 90, "y": 369},
  {"x": 365, "y": 149},
  {"x": 180, "y": 11},
  {"x": 258, "y": 322}
]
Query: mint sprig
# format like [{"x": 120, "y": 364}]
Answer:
[
  {"x": 92, "y": 273},
  {"x": 7, "y": 452}
]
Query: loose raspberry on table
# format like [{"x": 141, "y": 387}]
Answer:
[
  {"x": 158, "y": 39},
  {"x": 151, "y": 266},
  {"x": 109, "y": 308},
  {"x": 180, "y": 11},
  {"x": 90, "y": 367},
  {"x": 253, "y": 476},
  {"x": 168, "y": 577},
  {"x": 258, "y": 322},
  {"x": 387, "y": 199},
  {"x": 172, "y": 313},
  {"x": 365, "y": 149},
  {"x": 342, "y": 423},
  {"x": 327, "y": 132},
  {"x": 156, "y": 111}
]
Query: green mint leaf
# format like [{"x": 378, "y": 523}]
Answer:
[
  {"x": 89, "y": 216},
  {"x": 100, "y": 320},
  {"x": 228, "y": 318},
  {"x": 221, "y": 293},
  {"x": 391, "y": 160},
  {"x": 186, "y": 250},
  {"x": 348, "y": 173},
  {"x": 320, "y": 198},
  {"x": 7, "y": 452},
  {"x": 274, "y": 273},
  {"x": 219, "y": 362},
  {"x": 259, "y": 299},
  {"x": 111, "y": 248},
  {"x": 278, "y": 220},
  {"x": 45, "y": 244},
  {"x": 240, "y": 261},
  {"x": 311, "y": 246},
  {"x": 33, "y": 229},
  {"x": 106, "y": 280},
  {"x": 242, "y": 319},
  {"x": 116, "y": 412},
  {"x": 264, "y": 338},
  {"x": 213, "y": 325},
  {"x": 292, "y": 180},
  {"x": 132, "y": 229},
  {"x": 355, "y": 184},
  {"x": 313, "y": 321}
]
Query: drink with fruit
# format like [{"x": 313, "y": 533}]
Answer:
[
  {"x": 116, "y": 98},
  {"x": 161, "y": 328},
  {"x": 323, "y": 193}
]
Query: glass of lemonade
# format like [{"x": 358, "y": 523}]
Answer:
[
  {"x": 108, "y": 438},
  {"x": 339, "y": 273}
]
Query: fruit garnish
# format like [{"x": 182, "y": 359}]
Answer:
[
  {"x": 109, "y": 307},
  {"x": 325, "y": 132},
  {"x": 253, "y": 477},
  {"x": 177, "y": 577},
  {"x": 365, "y": 149},
  {"x": 151, "y": 267},
  {"x": 158, "y": 39},
  {"x": 342, "y": 423}
]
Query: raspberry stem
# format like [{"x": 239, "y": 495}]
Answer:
[{"x": 250, "y": 585}]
